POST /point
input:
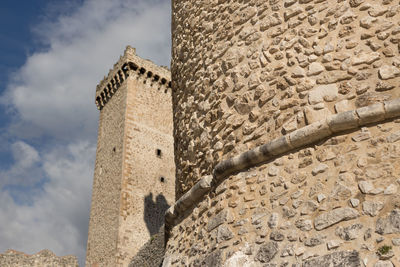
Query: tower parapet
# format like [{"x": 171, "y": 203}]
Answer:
[{"x": 130, "y": 64}]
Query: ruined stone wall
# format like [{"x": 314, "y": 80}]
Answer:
[
  {"x": 251, "y": 73},
  {"x": 44, "y": 258},
  {"x": 134, "y": 173}
]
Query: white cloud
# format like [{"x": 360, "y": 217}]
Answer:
[
  {"x": 25, "y": 170},
  {"x": 51, "y": 101},
  {"x": 57, "y": 218},
  {"x": 54, "y": 91}
]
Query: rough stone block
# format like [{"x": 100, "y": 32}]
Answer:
[
  {"x": 336, "y": 259},
  {"x": 390, "y": 224},
  {"x": 392, "y": 108},
  {"x": 220, "y": 218},
  {"x": 372, "y": 113},
  {"x": 332, "y": 217},
  {"x": 343, "y": 121},
  {"x": 278, "y": 146},
  {"x": 309, "y": 134}
]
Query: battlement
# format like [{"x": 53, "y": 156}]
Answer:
[{"x": 127, "y": 65}]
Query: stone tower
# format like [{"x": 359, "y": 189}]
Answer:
[
  {"x": 287, "y": 133},
  {"x": 134, "y": 171}
]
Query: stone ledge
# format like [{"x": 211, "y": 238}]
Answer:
[
  {"x": 127, "y": 65},
  {"x": 307, "y": 135}
]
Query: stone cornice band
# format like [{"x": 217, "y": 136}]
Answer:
[
  {"x": 127, "y": 65},
  {"x": 306, "y": 135}
]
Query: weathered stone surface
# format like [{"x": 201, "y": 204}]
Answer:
[
  {"x": 239, "y": 259},
  {"x": 224, "y": 233},
  {"x": 304, "y": 225},
  {"x": 350, "y": 232},
  {"x": 214, "y": 259},
  {"x": 315, "y": 68},
  {"x": 334, "y": 216},
  {"x": 381, "y": 263},
  {"x": 332, "y": 244},
  {"x": 365, "y": 186},
  {"x": 281, "y": 58},
  {"x": 390, "y": 224},
  {"x": 220, "y": 218},
  {"x": 365, "y": 58},
  {"x": 387, "y": 72},
  {"x": 327, "y": 92},
  {"x": 267, "y": 252},
  {"x": 372, "y": 208},
  {"x": 394, "y": 137},
  {"x": 336, "y": 259},
  {"x": 313, "y": 115},
  {"x": 320, "y": 168},
  {"x": 12, "y": 258}
]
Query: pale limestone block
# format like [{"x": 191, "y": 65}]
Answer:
[
  {"x": 390, "y": 190},
  {"x": 383, "y": 263},
  {"x": 365, "y": 186},
  {"x": 332, "y": 217},
  {"x": 343, "y": 106},
  {"x": 387, "y": 72},
  {"x": 312, "y": 115},
  {"x": 320, "y": 168},
  {"x": 372, "y": 208},
  {"x": 239, "y": 259},
  {"x": 354, "y": 202},
  {"x": 328, "y": 92},
  {"x": 365, "y": 58},
  {"x": 332, "y": 244},
  {"x": 315, "y": 68},
  {"x": 394, "y": 137}
]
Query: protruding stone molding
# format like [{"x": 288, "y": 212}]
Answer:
[
  {"x": 127, "y": 65},
  {"x": 317, "y": 131},
  {"x": 189, "y": 198}
]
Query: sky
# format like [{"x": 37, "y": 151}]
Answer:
[{"x": 53, "y": 53}]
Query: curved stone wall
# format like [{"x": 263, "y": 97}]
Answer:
[
  {"x": 335, "y": 203},
  {"x": 246, "y": 72},
  {"x": 249, "y": 76}
]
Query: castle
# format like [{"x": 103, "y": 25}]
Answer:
[{"x": 282, "y": 119}]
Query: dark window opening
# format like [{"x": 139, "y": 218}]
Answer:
[
  {"x": 158, "y": 152},
  {"x": 162, "y": 179}
]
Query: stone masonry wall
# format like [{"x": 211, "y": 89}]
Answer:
[
  {"x": 148, "y": 178},
  {"x": 104, "y": 212},
  {"x": 248, "y": 71},
  {"x": 44, "y": 258},
  {"x": 338, "y": 196},
  {"x": 134, "y": 173}
]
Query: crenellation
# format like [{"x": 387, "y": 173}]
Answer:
[{"x": 131, "y": 64}]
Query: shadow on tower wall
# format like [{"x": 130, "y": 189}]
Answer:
[{"x": 154, "y": 212}]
